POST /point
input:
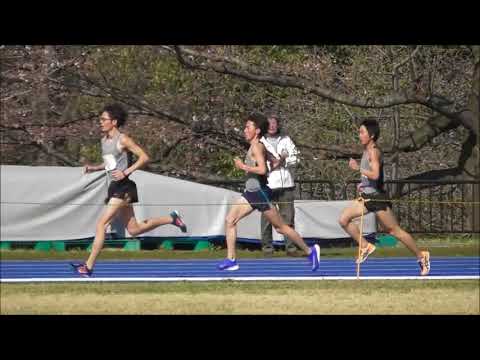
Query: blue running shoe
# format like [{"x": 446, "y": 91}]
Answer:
[
  {"x": 314, "y": 257},
  {"x": 82, "y": 269},
  {"x": 229, "y": 265},
  {"x": 177, "y": 221}
]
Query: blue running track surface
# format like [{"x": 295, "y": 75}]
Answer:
[{"x": 250, "y": 269}]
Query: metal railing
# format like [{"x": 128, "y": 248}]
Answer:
[
  {"x": 420, "y": 206},
  {"x": 426, "y": 206},
  {"x": 304, "y": 189}
]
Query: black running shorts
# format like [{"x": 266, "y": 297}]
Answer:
[
  {"x": 124, "y": 189},
  {"x": 260, "y": 200},
  {"x": 382, "y": 202}
]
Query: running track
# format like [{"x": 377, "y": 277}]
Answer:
[{"x": 250, "y": 269}]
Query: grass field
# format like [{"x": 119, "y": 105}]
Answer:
[
  {"x": 229, "y": 297},
  {"x": 307, "y": 297}
]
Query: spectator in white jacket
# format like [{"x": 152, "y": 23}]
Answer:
[{"x": 282, "y": 156}]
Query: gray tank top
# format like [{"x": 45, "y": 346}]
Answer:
[
  {"x": 254, "y": 182},
  {"x": 113, "y": 158},
  {"x": 369, "y": 186}
]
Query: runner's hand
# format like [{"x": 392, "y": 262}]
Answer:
[{"x": 118, "y": 175}]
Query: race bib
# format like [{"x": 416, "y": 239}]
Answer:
[{"x": 110, "y": 162}]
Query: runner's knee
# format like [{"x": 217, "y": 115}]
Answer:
[
  {"x": 281, "y": 229},
  {"x": 133, "y": 230},
  {"x": 393, "y": 230},
  {"x": 230, "y": 221},
  {"x": 101, "y": 224},
  {"x": 343, "y": 221}
]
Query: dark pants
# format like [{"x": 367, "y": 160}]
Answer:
[{"x": 283, "y": 199}]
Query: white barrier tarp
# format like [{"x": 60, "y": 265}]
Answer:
[{"x": 61, "y": 203}]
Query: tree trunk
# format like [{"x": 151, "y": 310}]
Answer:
[
  {"x": 396, "y": 132},
  {"x": 41, "y": 100},
  {"x": 473, "y": 163}
]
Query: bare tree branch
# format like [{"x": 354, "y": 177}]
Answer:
[
  {"x": 408, "y": 58},
  {"x": 169, "y": 149},
  {"x": 341, "y": 151},
  {"x": 447, "y": 175},
  {"x": 196, "y": 176},
  {"x": 135, "y": 101},
  {"x": 56, "y": 154},
  {"x": 406, "y": 96},
  {"x": 11, "y": 96},
  {"x": 352, "y": 115},
  {"x": 45, "y": 148},
  {"x": 432, "y": 128},
  {"x": 212, "y": 57}
]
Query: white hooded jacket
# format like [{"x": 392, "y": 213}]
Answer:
[{"x": 282, "y": 176}]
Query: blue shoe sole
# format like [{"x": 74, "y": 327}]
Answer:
[{"x": 231, "y": 268}]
